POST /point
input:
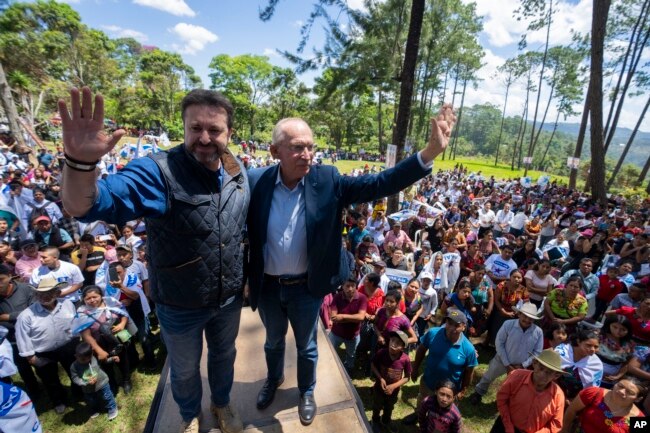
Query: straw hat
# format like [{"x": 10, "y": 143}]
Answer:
[{"x": 550, "y": 359}]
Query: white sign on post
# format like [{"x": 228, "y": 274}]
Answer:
[{"x": 391, "y": 155}]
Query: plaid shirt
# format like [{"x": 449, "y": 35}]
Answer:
[{"x": 70, "y": 225}]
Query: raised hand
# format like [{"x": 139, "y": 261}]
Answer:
[
  {"x": 441, "y": 127},
  {"x": 84, "y": 138}
]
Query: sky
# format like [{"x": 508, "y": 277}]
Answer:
[{"x": 202, "y": 29}]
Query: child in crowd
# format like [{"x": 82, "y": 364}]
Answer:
[
  {"x": 438, "y": 413},
  {"x": 555, "y": 335},
  {"x": 93, "y": 381},
  {"x": 463, "y": 300},
  {"x": 609, "y": 287},
  {"x": 392, "y": 368}
]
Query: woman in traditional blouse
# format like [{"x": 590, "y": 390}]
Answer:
[
  {"x": 605, "y": 411},
  {"x": 566, "y": 305}
]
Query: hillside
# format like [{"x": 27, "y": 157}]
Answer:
[{"x": 637, "y": 155}]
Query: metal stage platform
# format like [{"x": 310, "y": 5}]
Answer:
[{"x": 339, "y": 406}]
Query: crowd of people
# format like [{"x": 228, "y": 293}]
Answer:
[
  {"x": 555, "y": 283},
  {"x": 73, "y": 295}
]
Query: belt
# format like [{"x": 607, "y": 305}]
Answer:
[{"x": 286, "y": 280}]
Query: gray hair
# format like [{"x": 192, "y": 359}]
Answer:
[{"x": 279, "y": 134}]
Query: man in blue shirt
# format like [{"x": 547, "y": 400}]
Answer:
[
  {"x": 294, "y": 227},
  {"x": 451, "y": 356},
  {"x": 194, "y": 199}
]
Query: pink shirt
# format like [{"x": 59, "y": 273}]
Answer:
[
  {"x": 25, "y": 266},
  {"x": 397, "y": 241}
]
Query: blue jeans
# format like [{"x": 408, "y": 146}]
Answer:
[
  {"x": 350, "y": 348},
  {"x": 279, "y": 305},
  {"x": 103, "y": 395},
  {"x": 182, "y": 331}
]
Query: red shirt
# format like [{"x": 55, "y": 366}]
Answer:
[
  {"x": 375, "y": 302},
  {"x": 609, "y": 288},
  {"x": 640, "y": 327},
  {"x": 593, "y": 418},
  {"x": 348, "y": 330}
]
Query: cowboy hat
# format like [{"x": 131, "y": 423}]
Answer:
[
  {"x": 528, "y": 309},
  {"x": 49, "y": 283}
]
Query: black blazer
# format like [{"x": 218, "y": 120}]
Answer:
[{"x": 327, "y": 193}]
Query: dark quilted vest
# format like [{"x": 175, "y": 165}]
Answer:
[{"x": 196, "y": 249}]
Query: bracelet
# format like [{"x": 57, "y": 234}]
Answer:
[
  {"x": 76, "y": 161},
  {"x": 80, "y": 167}
]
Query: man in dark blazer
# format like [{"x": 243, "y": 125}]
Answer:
[{"x": 294, "y": 227}]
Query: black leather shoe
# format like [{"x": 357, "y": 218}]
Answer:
[
  {"x": 307, "y": 409},
  {"x": 267, "y": 393}
]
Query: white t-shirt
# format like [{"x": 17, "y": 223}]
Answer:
[
  {"x": 66, "y": 272},
  {"x": 500, "y": 267},
  {"x": 539, "y": 283}
]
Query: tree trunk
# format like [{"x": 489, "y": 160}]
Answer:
[
  {"x": 531, "y": 146},
  {"x": 10, "y": 109},
  {"x": 503, "y": 118},
  {"x": 541, "y": 125},
  {"x": 581, "y": 139},
  {"x": 644, "y": 173},
  {"x": 524, "y": 115},
  {"x": 598, "y": 30},
  {"x": 452, "y": 154},
  {"x": 453, "y": 99},
  {"x": 619, "y": 164},
  {"x": 636, "y": 57},
  {"x": 406, "y": 88},
  {"x": 548, "y": 146},
  {"x": 625, "y": 59},
  {"x": 380, "y": 127}
]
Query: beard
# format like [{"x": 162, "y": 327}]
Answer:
[{"x": 202, "y": 157}]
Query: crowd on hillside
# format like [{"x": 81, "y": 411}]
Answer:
[{"x": 468, "y": 260}]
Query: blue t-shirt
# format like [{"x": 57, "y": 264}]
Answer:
[{"x": 446, "y": 360}]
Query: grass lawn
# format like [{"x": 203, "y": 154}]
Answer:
[{"x": 133, "y": 408}]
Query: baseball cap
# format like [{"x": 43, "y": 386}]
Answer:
[
  {"x": 380, "y": 263},
  {"x": 401, "y": 335},
  {"x": 42, "y": 218},
  {"x": 426, "y": 274},
  {"x": 456, "y": 315},
  {"x": 125, "y": 247}
]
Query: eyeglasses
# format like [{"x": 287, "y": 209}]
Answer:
[{"x": 300, "y": 148}]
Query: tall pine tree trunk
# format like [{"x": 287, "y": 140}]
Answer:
[
  {"x": 503, "y": 118},
  {"x": 531, "y": 146},
  {"x": 406, "y": 88},
  {"x": 573, "y": 177},
  {"x": 619, "y": 164},
  {"x": 598, "y": 30}
]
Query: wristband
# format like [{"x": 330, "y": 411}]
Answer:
[
  {"x": 76, "y": 161},
  {"x": 80, "y": 167}
]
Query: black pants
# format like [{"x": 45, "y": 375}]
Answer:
[
  {"x": 383, "y": 402},
  {"x": 26, "y": 372},
  {"x": 137, "y": 315},
  {"x": 499, "y": 428},
  {"x": 49, "y": 372},
  {"x": 124, "y": 367}
]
